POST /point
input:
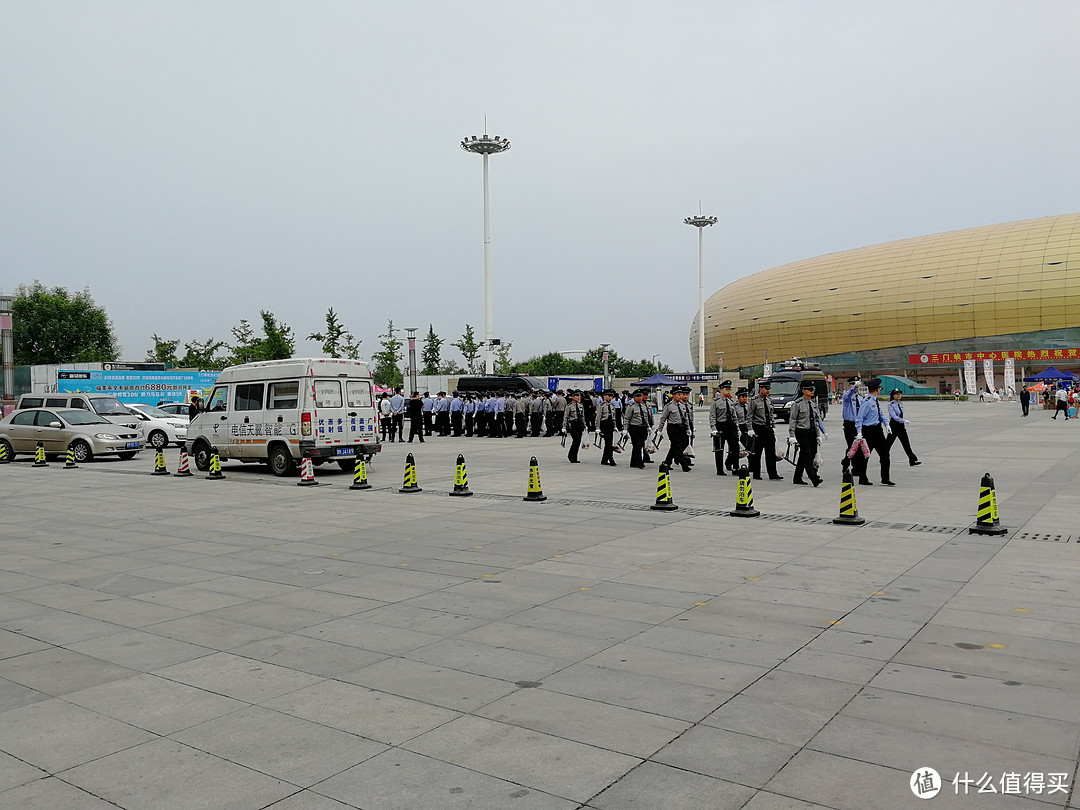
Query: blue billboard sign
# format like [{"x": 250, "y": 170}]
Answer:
[{"x": 150, "y": 387}]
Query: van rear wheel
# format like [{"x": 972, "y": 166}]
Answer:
[{"x": 281, "y": 461}]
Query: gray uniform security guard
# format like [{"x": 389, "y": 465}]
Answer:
[
  {"x": 638, "y": 418},
  {"x": 762, "y": 430},
  {"x": 678, "y": 416},
  {"x": 724, "y": 426},
  {"x": 805, "y": 427}
]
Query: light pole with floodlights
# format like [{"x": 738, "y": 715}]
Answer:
[
  {"x": 701, "y": 222},
  {"x": 486, "y": 146},
  {"x": 412, "y": 357}
]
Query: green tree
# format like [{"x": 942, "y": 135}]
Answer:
[
  {"x": 203, "y": 355},
  {"x": 246, "y": 347},
  {"x": 278, "y": 343},
  {"x": 502, "y": 357},
  {"x": 336, "y": 340},
  {"x": 431, "y": 354},
  {"x": 52, "y": 325},
  {"x": 552, "y": 363},
  {"x": 469, "y": 348},
  {"x": 387, "y": 371},
  {"x": 163, "y": 351}
]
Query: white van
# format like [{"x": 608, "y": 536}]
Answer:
[{"x": 278, "y": 411}]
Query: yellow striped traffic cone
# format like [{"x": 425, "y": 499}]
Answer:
[
  {"x": 39, "y": 456},
  {"x": 4, "y": 457},
  {"x": 461, "y": 478},
  {"x": 664, "y": 501},
  {"x": 69, "y": 458},
  {"x": 849, "y": 510},
  {"x": 159, "y": 463},
  {"x": 215, "y": 466},
  {"x": 744, "y": 496},
  {"x": 409, "y": 481},
  {"x": 359, "y": 477},
  {"x": 307, "y": 473},
  {"x": 182, "y": 470},
  {"x": 986, "y": 516},
  {"x": 536, "y": 492}
]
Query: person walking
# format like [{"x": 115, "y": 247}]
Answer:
[
  {"x": 898, "y": 426},
  {"x": 1062, "y": 397},
  {"x": 386, "y": 416},
  {"x": 638, "y": 419},
  {"x": 850, "y": 403},
  {"x": 872, "y": 425},
  {"x": 605, "y": 422},
  {"x": 723, "y": 428},
  {"x": 397, "y": 411},
  {"x": 678, "y": 417},
  {"x": 415, "y": 411},
  {"x": 1025, "y": 401},
  {"x": 762, "y": 429},
  {"x": 575, "y": 425},
  {"x": 804, "y": 427}
]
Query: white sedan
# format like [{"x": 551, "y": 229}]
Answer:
[{"x": 159, "y": 428}]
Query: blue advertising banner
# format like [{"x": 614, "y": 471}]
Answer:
[{"x": 150, "y": 387}]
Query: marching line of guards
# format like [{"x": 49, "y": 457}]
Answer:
[{"x": 740, "y": 426}]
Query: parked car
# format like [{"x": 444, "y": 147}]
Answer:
[
  {"x": 104, "y": 405},
  {"x": 85, "y": 432},
  {"x": 160, "y": 429},
  {"x": 176, "y": 409}
]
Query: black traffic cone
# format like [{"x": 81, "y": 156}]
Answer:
[
  {"x": 744, "y": 496},
  {"x": 664, "y": 501},
  {"x": 69, "y": 459},
  {"x": 409, "y": 482},
  {"x": 159, "y": 463},
  {"x": 986, "y": 515},
  {"x": 215, "y": 466},
  {"x": 536, "y": 492},
  {"x": 461, "y": 478},
  {"x": 39, "y": 456},
  {"x": 359, "y": 478},
  {"x": 849, "y": 510}
]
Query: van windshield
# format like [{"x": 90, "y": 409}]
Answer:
[
  {"x": 107, "y": 406},
  {"x": 784, "y": 388}
]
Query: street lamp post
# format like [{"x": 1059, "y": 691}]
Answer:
[
  {"x": 485, "y": 146},
  {"x": 412, "y": 357},
  {"x": 7, "y": 348},
  {"x": 701, "y": 222}
]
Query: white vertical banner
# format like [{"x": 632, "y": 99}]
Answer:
[
  {"x": 767, "y": 370},
  {"x": 1010, "y": 376},
  {"x": 988, "y": 374},
  {"x": 969, "y": 377}
]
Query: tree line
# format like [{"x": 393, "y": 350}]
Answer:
[{"x": 54, "y": 326}]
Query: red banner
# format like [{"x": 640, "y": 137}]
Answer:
[{"x": 1033, "y": 355}]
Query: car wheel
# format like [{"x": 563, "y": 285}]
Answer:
[
  {"x": 126, "y": 456},
  {"x": 281, "y": 461},
  {"x": 9, "y": 452},
  {"x": 200, "y": 454},
  {"x": 157, "y": 439},
  {"x": 81, "y": 450}
]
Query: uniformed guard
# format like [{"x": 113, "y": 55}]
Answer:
[
  {"x": 898, "y": 426},
  {"x": 804, "y": 426},
  {"x": 605, "y": 422},
  {"x": 638, "y": 419},
  {"x": 468, "y": 409},
  {"x": 558, "y": 409},
  {"x": 575, "y": 425},
  {"x": 851, "y": 401},
  {"x": 724, "y": 428},
  {"x": 457, "y": 408},
  {"x": 678, "y": 417},
  {"x": 762, "y": 431},
  {"x": 428, "y": 409},
  {"x": 871, "y": 424}
]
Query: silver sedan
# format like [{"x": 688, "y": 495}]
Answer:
[{"x": 86, "y": 433}]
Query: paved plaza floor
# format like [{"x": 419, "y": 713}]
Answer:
[{"x": 247, "y": 643}]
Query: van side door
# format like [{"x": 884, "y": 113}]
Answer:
[
  {"x": 283, "y": 413},
  {"x": 246, "y": 423},
  {"x": 360, "y": 414},
  {"x": 215, "y": 422}
]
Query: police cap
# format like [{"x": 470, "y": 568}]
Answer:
[
  {"x": 742, "y": 392},
  {"x": 765, "y": 384},
  {"x": 807, "y": 385},
  {"x": 854, "y": 379},
  {"x": 874, "y": 384},
  {"x": 725, "y": 384}
]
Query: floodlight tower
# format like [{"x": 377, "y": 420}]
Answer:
[
  {"x": 485, "y": 146},
  {"x": 700, "y": 222}
]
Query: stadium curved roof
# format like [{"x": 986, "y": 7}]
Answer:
[{"x": 1016, "y": 277}]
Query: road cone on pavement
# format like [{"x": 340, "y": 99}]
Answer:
[
  {"x": 182, "y": 470},
  {"x": 159, "y": 463},
  {"x": 39, "y": 456},
  {"x": 69, "y": 458},
  {"x": 461, "y": 478},
  {"x": 986, "y": 515},
  {"x": 359, "y": 477},
  {"x": 4, "y": 457},
  {"x": 215, "y": 466},
  {"x": 849, "y": 510},
  {"x": 408, "y": 483},
  {"x": 536, "y": 492},
  {"x": 744, "y": 496},
  {"x": 307, "y": 473},
  {"x": 664, "y": 501}
]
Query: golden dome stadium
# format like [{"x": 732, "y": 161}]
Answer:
[{"x": 1009, "y": 286}]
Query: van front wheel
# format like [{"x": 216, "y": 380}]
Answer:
[{"x": 281, "y": 461}]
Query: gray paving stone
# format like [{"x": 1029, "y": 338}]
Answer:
[
  {"x": 12, "y": 644},
  {"x": 793, "y": 723},
  {"x": 652, "y": 785},
  {"x": 13, "y": 695},
  {"x": 209, "y": 631},
  {"x": 771, "y": 801},
  {"x": 238, "y": 677},
  {"x": 287, "y": 747},
  {"x": 307, "y": 800},
  {"x": 166, "y": 775},
  {"x": 564, "y": 643},
  {"x": 727, "y": 755},
  {"x": 550, "y": 764},
  {"x": 376, "y": 715},
  {"x": 155, "y": 704},
  {"x": 139, "y": 650},
  {"x": 357, "y": 631},
  {"x": 51, "y": 794},
  {"x": 428, "y": 683},
  {"x": 53, "y": 735},
  {"x": 310, "y": 655},
  {"x": 401, "y": 780},
  {"x": 488, "y": 661},
  {"x": 57, "y": 671},
  {"x": 59, "y": 627},
  {"x": 724, "y": 675},
  {"x": 14, "y": 772},
  {"x": 833, "y": 666}
]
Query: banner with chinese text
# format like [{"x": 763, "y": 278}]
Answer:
[{"x": 1034, "y": 355}]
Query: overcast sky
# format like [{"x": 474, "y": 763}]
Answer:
[{"x": 195, "y": 162}]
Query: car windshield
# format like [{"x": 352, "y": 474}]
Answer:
[
  {"x": 154, "y": 413},
  {"x": 784, "y": 388},
  {"x": 74, "y": 417},
  {"x": 108, "y": 406}
]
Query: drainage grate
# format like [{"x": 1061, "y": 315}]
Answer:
[
  {"x": 935, "y": 529},
  {"x": 1046, "y": 537}
]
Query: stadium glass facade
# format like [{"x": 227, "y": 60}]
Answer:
[{"x": 995, "y": 288}]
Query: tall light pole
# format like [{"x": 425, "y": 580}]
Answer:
[
  {"x": 7, "y": 344},
  {"x": 486, "y": 146},
  {"x": 700, "y": 222},
  {"x": 412, "y": 357}
]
